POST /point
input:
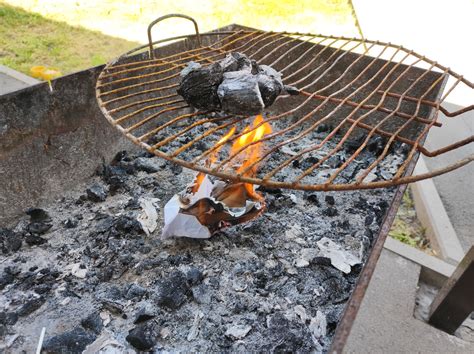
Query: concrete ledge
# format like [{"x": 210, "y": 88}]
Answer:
[
  {"x": 432, "y": 215},
  {"x": 434, "y": 271},
  {"x": 385, "y": 322},
  {"x": 18, "y": 76},
  {"x": 419, "y": 257}
]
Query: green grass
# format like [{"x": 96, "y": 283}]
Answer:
[
  {"x": 406, "y": 227},
  {"x": 73, "y": 35},
  {"x": 273, "y": 14},
  {"x": 29, "y": 39}
]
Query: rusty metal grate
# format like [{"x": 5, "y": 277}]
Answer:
[{"x": 351, "y": 90}]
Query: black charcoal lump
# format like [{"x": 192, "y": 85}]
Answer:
[
  {"x": 235, "y": 85},
  {"x": 239, "y": 94}
]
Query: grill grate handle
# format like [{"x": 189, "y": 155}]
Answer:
[{"x": 159, "y": 19}]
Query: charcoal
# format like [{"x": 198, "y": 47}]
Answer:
[
  {"x": 323, "y": 127},
  {"x": 235, "y": 85},
  {"x": 144, "y": 336},
  {"x": 239, "y": 94},
  {"x": 135, "y": 291},
  {"x": 269, "y": 84},
  {"x": 30, "y": 306},
  {"x": 96, "y": 193},
  {"x": 10, "y": 241},
  {"x": 145, "y": 313},
  {"x": 238, "y": 62},
  {"x": 74, "y": 341},
  {"x": 37, "y": 215},
  {"x": 243, "y": 277},
  {"x": 329, "y": 199},
  {"x": 38, "y": 227},
  {"x": 34, "y": 240},
  {"x": 376, "y": 145},
  {"x": 192, "y": 65},
  {"x": 93, "y": 322},
  {"x": 199, "y": 87},
  {"x": 171, "y": 292},
  {"x": 312, "y": 198},
  {"x": 291, "y": 90},
  {"x": 148, "y": 165},
  {"x": 330, "y": 211},
  {"x": 194, "y": 276},
  {"x": 5, "y": 279}
]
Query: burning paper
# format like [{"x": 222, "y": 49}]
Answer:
[
  {"x": 211, "y": 208},
  {"x": 206, "y": 206}
]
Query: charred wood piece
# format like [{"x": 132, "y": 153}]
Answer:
[{"x": 234, "y": 85}]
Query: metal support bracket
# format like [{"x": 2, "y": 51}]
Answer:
[{"x": 455, "y": 301}]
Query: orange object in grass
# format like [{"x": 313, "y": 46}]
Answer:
[{"x": 44, "y": 73}]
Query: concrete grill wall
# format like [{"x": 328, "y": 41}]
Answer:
[{"x": 51, "y": 141}]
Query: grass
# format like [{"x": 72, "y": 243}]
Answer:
[
  {"x": 73, "y": 35},
  {"x": 28, "y": 39},
  {"x": 406, "y": 227},
  {"x": 129, "y": 18}
]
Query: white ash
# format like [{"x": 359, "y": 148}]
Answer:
[
  {"x": 341, "y": 259},
  {"x": 143, "y": 291},
  {"x": 385, "y": 170}
]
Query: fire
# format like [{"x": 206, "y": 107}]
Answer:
[
  {"x": 221, "y": 140},
  {"x": 197, "y": 182},
  {"x": 247, "y": 158},
  {"x": 200, "y": 176},
  {"x": 253, "y": 153}
]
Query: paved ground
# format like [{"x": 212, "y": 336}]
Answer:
[{"x": 385, "y": 322}]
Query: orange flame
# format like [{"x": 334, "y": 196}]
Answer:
[
  {"x": 200, "y": 176},
  {"x": 248, "y": 157},
  {"x": 226, "y": 137},
  {"x": 197, "y": 182},
  {"x": 253, "y": 153}
]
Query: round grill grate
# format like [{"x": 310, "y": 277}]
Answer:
[{"x": 362, "y": 115}]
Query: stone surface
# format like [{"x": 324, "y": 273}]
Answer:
[
  {"x": 11, "y": 80},
  {"x": 97, "y": 192},
  {"x": 386, "y": 323}
]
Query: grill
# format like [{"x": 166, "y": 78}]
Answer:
[{"x": 353, "y": 92}]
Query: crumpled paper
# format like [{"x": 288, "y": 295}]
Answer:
[
  {"x": 200, "y": 214},
  {"x": 340, "y": 259}
]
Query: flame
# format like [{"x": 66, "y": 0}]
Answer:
[
  {"x": 197, "y": 182},
  {"x": 250, "y": 155},
  {"x": 200, "y": 176},
  {"x": 247, "y": 158},
  {"x": 222, "y": 140}
]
